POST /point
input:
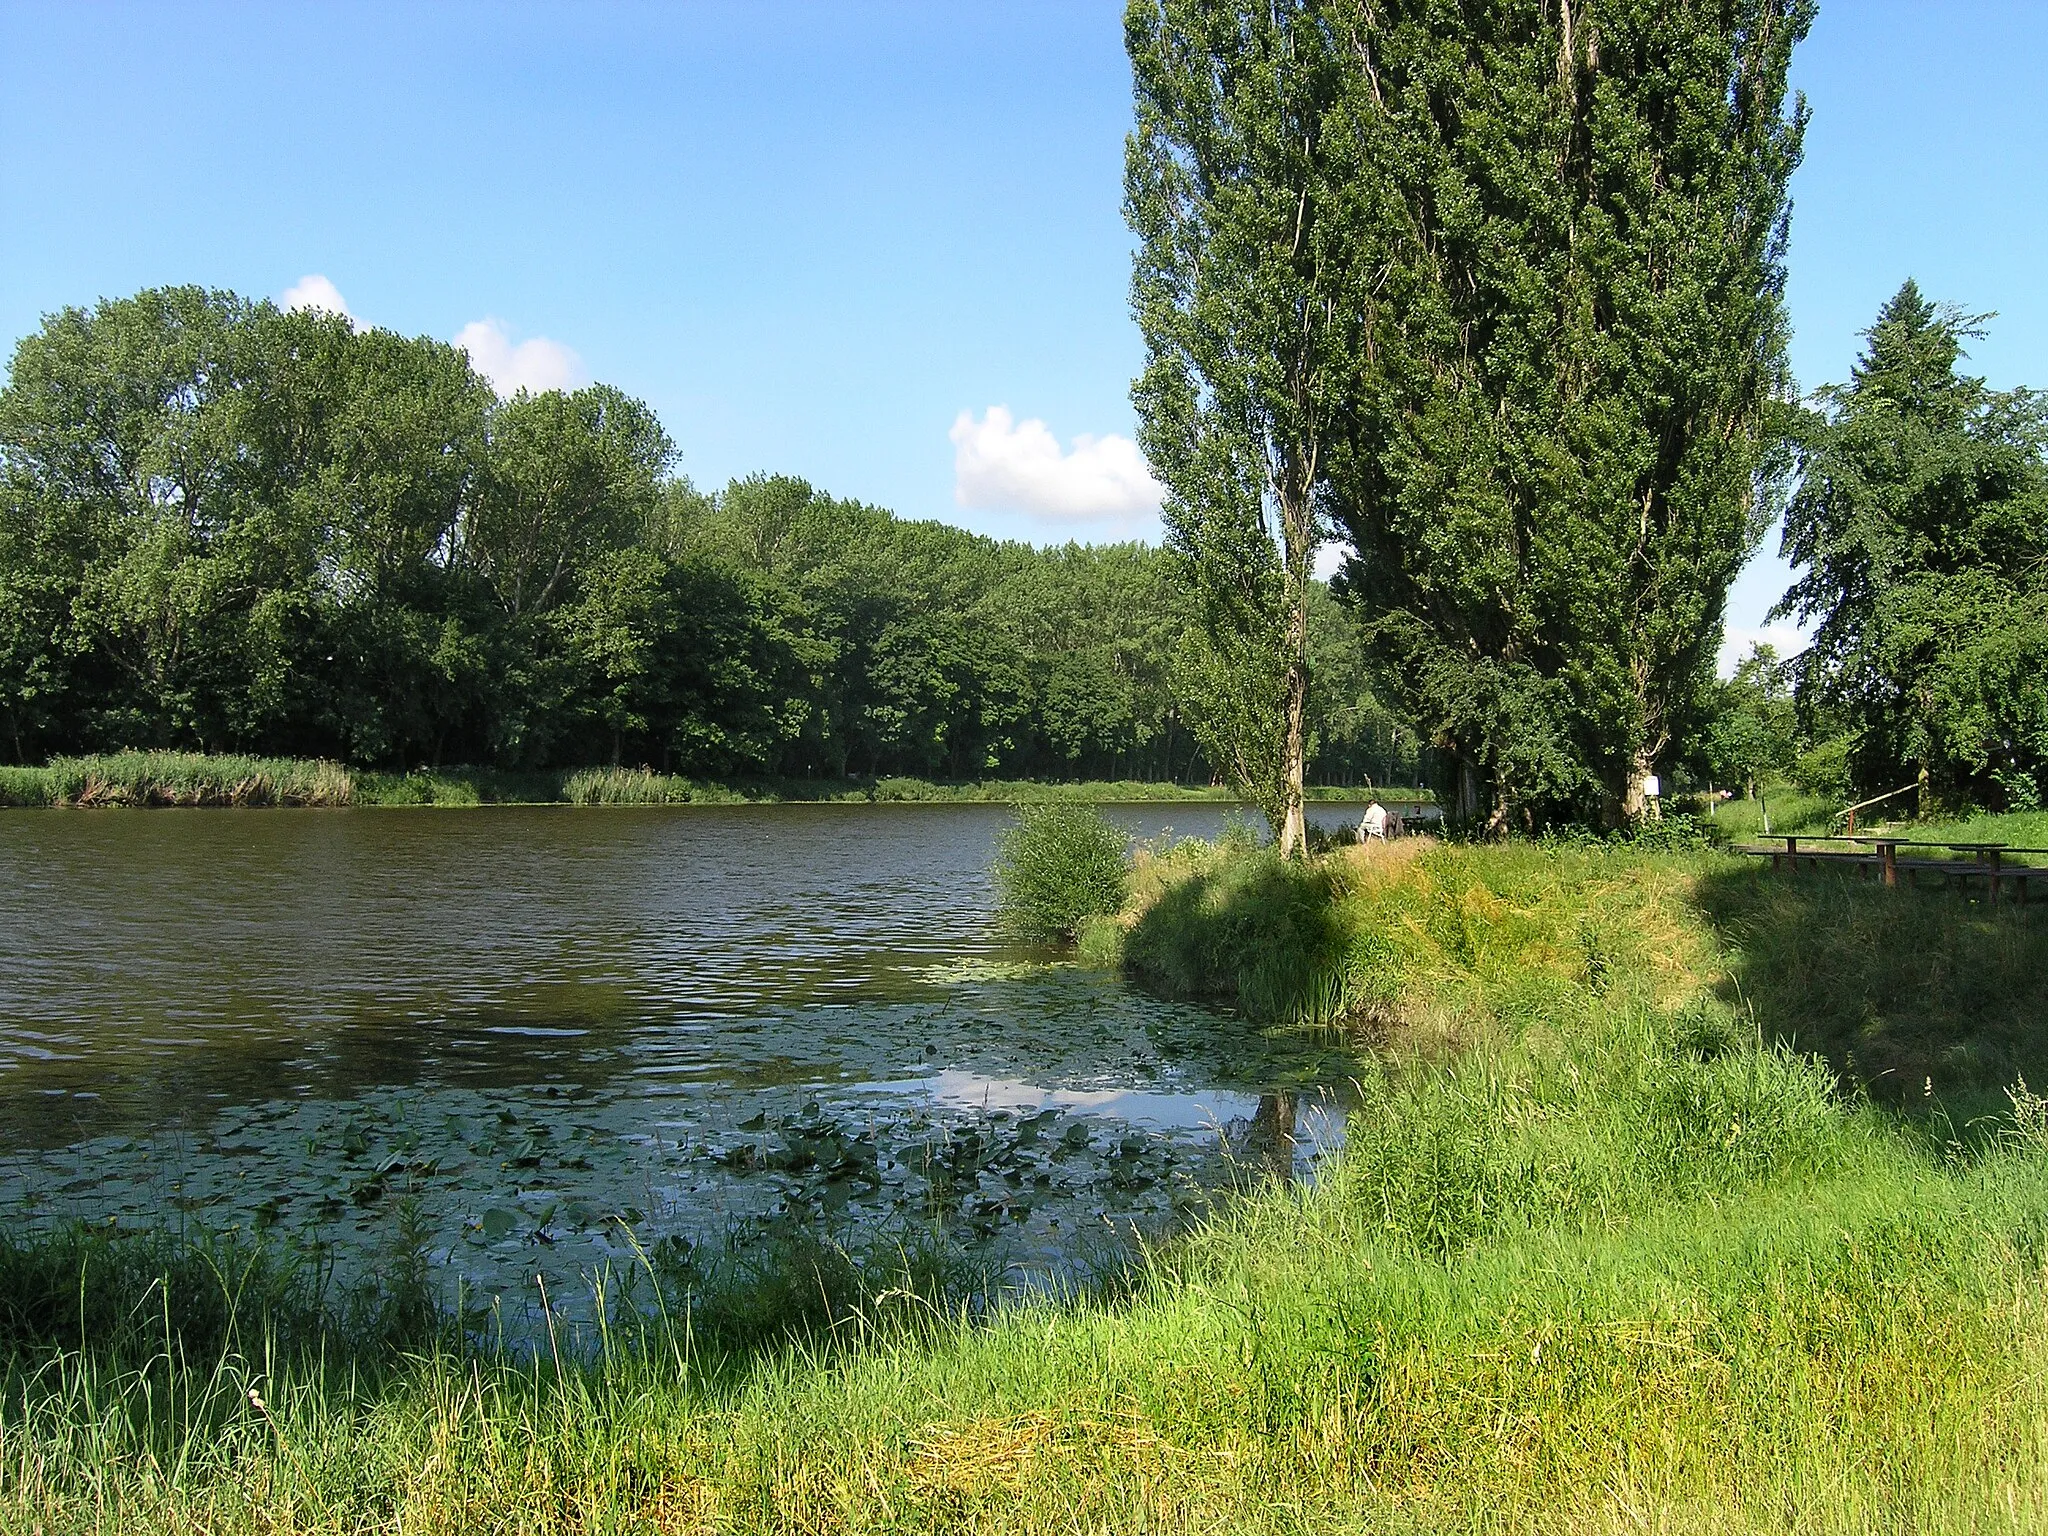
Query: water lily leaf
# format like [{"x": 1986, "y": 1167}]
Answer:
[{"x": 498, "y": 1223}]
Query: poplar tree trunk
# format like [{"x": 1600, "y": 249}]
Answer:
[
  {"x": 1633, "y": 801},
  {"x": 1294, "y": 826},
  {"x": 1298, "y": 557}
]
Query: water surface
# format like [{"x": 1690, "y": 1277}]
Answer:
[{"x": 558, "y": 1033}]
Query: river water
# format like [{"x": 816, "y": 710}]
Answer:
[{"x": 551, "y": 1037}]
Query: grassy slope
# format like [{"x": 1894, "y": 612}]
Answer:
[
  {"x": 1597, "y": 1255},
  {"x": 192, "y": 779}
]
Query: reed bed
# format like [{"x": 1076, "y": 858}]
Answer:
[
  {"x": 178, "y": 779},
  {"x": 198, "y": 779},
  {"x": 630, "y": 786}
]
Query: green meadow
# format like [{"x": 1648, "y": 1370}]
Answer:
[{"x": 1682, "y": 1197}]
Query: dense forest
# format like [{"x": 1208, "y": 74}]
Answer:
[{"x": 229, "y": 527}]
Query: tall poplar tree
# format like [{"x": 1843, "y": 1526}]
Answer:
[
  {"x": 1567, "y": 227},
  {"x": 1237, "y": 293}
]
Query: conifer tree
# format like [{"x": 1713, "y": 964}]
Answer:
[{"x": 1920, "y": 532}]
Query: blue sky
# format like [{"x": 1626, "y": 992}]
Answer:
[{"x": 829, "y": 238}]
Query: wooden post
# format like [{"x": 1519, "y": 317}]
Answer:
[
  {"x": 1990, "y": 857},
  {"x": 1889, "y": 852}
]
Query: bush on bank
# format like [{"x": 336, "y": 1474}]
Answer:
[{"x": 1057, "y": 865}]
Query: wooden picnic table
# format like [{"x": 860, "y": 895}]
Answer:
[{"x": 1985, "y": 858}]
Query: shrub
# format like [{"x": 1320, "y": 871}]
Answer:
[
  {"x": 1057, "y": 866},
  {"x": 626, "y": 786},
  {"x": 1824, "y": 769}
]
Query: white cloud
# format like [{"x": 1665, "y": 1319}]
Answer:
[
  {"x": 1002, "y": 464},
  {"x": 535, "y": 364},
  {"x": 315, "y": 291},
  {"x": 1736, "y": 641}
]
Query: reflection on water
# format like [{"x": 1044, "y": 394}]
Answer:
[{"x": 299, "y": 1018}]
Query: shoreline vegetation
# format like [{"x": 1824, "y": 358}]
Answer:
[
  {"x": 174, "y": 779},
  {"x": 1686, "y": 1198}
]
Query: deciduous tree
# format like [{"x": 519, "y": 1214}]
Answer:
[
  {"x": 1247, "y": 337},
  {"x": 1567, "y": 227}
]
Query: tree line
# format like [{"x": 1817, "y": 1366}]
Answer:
[{"x": 229, "y": 527}]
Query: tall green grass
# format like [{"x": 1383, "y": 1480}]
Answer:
[
  {"x": 177, "y": 778},
  {"x": 1598, "y": 1253},
  {"x": 630, "y": 786},
  {"x": 1736, "y": 821}
]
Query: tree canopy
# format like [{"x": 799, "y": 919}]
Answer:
[
  {"x": 1920, "y": 533},
  {"x": 1236, "y": 291},
  {"x": 1571, "y": 224},
  {"x": 228, "y": 527},
  {"x": 1496, "y": 292}
]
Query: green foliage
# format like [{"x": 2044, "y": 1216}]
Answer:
[
  {"x": 178, "y": 778},
  {"x": 629, "y": 786},
  {"x": 1824, "y": 770},
  {"x": 1058, "y": 865},
  {"x": 1246, "y": 357},
  {"x": 1246, "y": 928},
  {"x": 1777, "y": 807},
  {"x": 1920, "y": 531},
  {"x": 25, "y": 787},
  {"x": 1568, "y": 229},
  {"x": 1753, "y": 730},
  {"x": 224, "y": 529}
]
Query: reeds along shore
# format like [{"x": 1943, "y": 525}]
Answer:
[
  {"x": 1612, "y": 1244},
  {"x": 163, "y": 779}
]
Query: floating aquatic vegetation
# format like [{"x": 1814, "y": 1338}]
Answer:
[{"x": 551, "y": 1183}]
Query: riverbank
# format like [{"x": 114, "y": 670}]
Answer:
[
  {"x": 1603, "y": 1250},
  {"x": 168, "y": 779}
]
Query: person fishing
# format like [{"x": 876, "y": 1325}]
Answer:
[{"x": 1375, "y": 823}]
